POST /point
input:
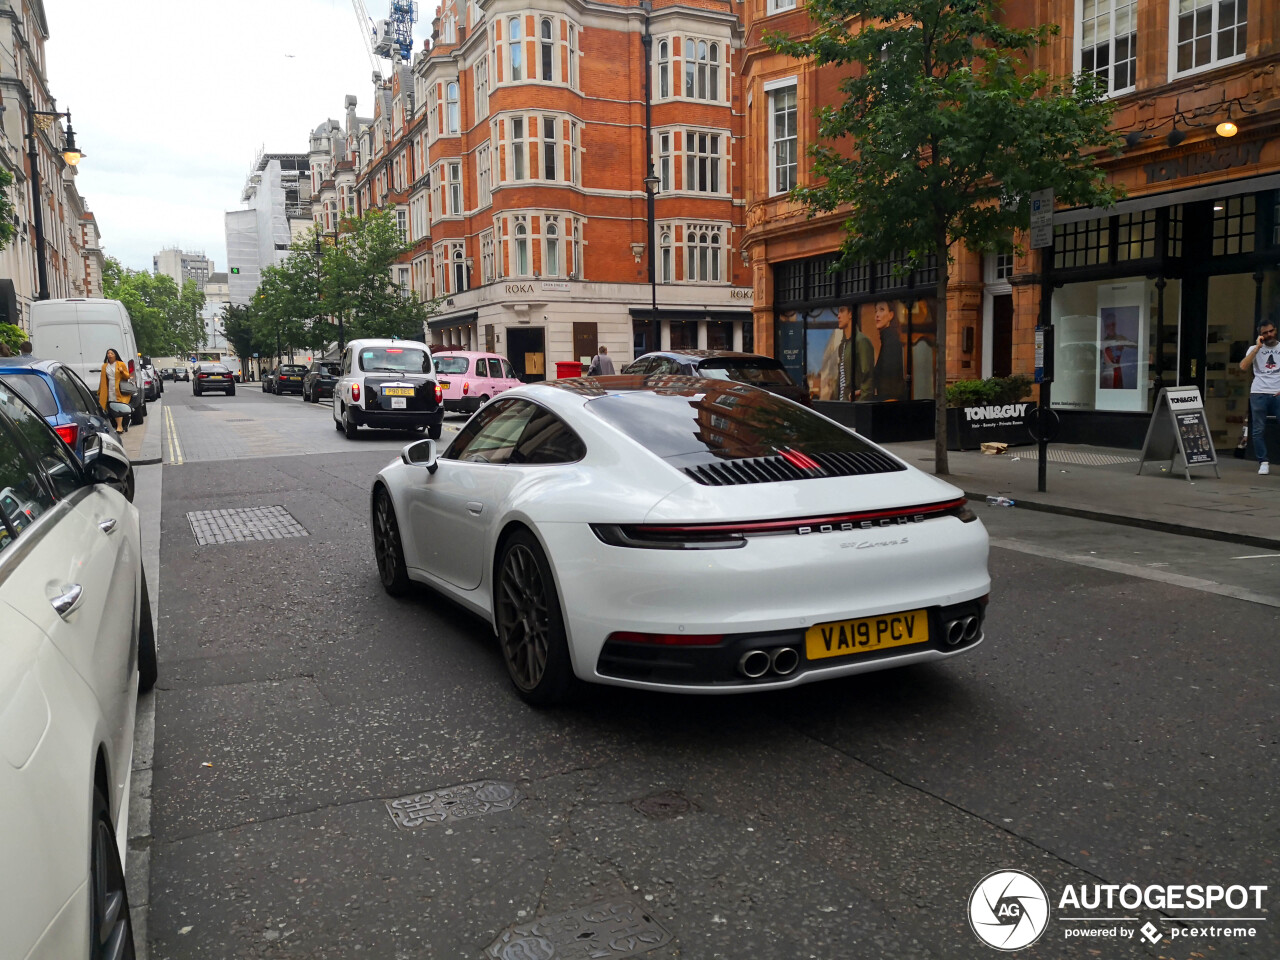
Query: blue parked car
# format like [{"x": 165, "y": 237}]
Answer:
[{"x": 62, "y": 398}]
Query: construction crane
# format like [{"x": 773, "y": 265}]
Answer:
[{"x": 367, "y": 33}]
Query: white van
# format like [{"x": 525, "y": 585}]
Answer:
[{"x": 79, "y": 332}]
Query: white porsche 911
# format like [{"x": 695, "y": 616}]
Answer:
[{"x": 682, "y": 534}]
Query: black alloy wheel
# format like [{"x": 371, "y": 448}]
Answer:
[
  {"x": 530, "y": 624},
  {"x": 349, "y": 427},
  {"x": 110, "y": 930},
  {"x": 387, "y": 548}
]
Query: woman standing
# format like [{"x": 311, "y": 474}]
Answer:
[{"x": 114, "y": 371}]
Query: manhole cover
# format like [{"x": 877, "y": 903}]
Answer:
[
  {"x": 245, "y": 524},
  {"x": 463, "y": 802},
  {"x": 663, "y": 806},
  {"x": 605, "y": 930}
]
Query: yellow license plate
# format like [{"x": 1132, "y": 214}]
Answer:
[
  {"x": 444, "y": 384},
  {"x": 398, "y": 392},
  {"x": 850, "y": 637}
]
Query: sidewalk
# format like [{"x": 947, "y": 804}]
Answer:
[
  {"x": 142, "y": 442},
  {"x": 1099, "y": 483}
]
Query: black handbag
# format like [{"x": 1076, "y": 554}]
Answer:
[{"x": 127, "y": 388}]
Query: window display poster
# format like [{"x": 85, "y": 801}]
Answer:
[
  {"x": 884, "y": 323},
  {"x": 823, "y": 341},
  {"x": 790, "y": 344},
  {"x": 924, "y": 349},
  {"x": 1122, "y": 358}
]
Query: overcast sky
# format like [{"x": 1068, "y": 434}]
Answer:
[{"x": 171, "y": 102}]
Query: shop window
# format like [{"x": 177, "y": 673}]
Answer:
[
  {"x": 720, "y": 335},
  {"x": 1136, "y": 235},
  {"x": 748, "y": 336},
  {"x": 1209, "y": 32},
  {"x": 822, "y": 281},
  {"x": 684, "y": 335},
  {"x": 1109, "y": 41},
  {"x": 1234, "y": 225},
  {"x": 1173, "y": 240},
  {"x": 892, "y": 273},
  {"x": 1084, "y": 243},
  {"x": 788, "y": 282},
  {"x": 856, "y": 279}
]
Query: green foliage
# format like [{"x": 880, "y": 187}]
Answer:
[
  {"x": 7, "y": 230},
  {"x": 298, "y": 300},
  {"x": 941, "y": 129},
  {"x": 993, "y": 390},
  {"x": 237, "y": 327},
  {"x": 12, "y": 335},
  {"x": 166, "y": 319}
]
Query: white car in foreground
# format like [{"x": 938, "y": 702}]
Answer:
[
  {"x": 676, "y": 533},
  {"x": 76, "y": 644}
]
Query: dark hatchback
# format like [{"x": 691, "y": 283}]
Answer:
[
  {"x": 319, "y": 380},
  {"x": 764, "y": 372},
  {"x": 213, "y": 376},
  {"x": 287, "y": 378}
]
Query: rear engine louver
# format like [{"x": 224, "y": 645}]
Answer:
[{"x": 720, "y": 473}]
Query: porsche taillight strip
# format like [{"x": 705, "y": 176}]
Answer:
[{"x": 713, "y": 536}]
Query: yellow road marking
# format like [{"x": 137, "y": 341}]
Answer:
[{"x": 175, "y": 446}]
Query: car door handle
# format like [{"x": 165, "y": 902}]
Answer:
[
  {"x": 108, "y": 525},
  {"x": 475, "y": 507},
  {"x": 66, "y": 603}
]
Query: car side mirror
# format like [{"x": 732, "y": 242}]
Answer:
[
  {"x": 119, "y": 409},
  {"x": 421, "y": 453},
  {"x": 105, "y": 459}
]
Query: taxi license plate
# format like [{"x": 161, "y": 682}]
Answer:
[
  {"x": 397, "y": 403},
  {"x": 851, "y": 637},
  {"x": 398, "y": 392},
  {"x": 444, "y": 384}
]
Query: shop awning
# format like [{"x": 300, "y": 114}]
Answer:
[
  {"x": 685, "y": 313},
  {"x": 1213, "y": 191}
]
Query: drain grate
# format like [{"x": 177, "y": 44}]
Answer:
[
  {"x": 608, "y": 929},
  {"x": 463, "y": 802},
  {"x": 663, "y": 806},
  {"x": 1073, "y": 456},
  {"x": 244, "y": 525}
]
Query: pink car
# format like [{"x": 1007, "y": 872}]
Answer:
[{"x": 470, "y": 379}]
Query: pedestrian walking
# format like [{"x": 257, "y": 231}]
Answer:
[
  {"x": 114, "y": 372},
  {"x": 1264, "y": 395},
  {"x": 601, "y": 365}
]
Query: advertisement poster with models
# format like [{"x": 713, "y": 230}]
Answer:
[
  {"x": 1122, "y": 358},
  {"x": 860, "y": 353}
]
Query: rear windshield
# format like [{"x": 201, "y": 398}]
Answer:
[
  {"x": 293, "y": 368},
  {"x": 758, "y": 370},
  {"x": 213, "y": 368},
  {"x": 689, "y": 418},
  {"x": 394, "y": 360},
  {"x": 34, "y": 389},
  {"x": 333, "y": 369},
  {"x": 451, "y": 364}
]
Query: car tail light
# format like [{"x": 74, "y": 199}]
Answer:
[
  {"x": 131, "y": 368},
  {"x": 668, "y": 639},
  {"x": 724, "y": 536},
  {"x": 355, "y": 393},
  {"x": 69, "y": 432},
  {"x": 202, "y": 376},
  {"x": 466, "y": 387},
  {"x": 439, "y": 394}
]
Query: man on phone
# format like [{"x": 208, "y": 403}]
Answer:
[{"x": 1264, "y": 395}]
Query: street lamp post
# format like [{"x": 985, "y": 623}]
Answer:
[
  {"x": 72, "y": 156},
  {"x": 651, "y": 191}
]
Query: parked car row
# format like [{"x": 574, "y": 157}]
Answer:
[
  {"x": 175, "y": 373},
  {"x": 78, "y": 646}
]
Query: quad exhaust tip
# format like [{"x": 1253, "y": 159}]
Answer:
[{"x": 781, "y": 661}]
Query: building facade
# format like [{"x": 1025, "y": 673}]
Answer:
[
  {"x": 515, "y": 152},
  {"x": 1162, "y": 290},
  {"x": 182, "y": 265},
  {"x": 277, "y": 193},
  {"x": 72, "y": 262}
]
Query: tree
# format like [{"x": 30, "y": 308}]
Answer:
[
  {"x": 166, "y": 320},
  {"x": 942, "y": 131},
  {"x": 12, "y": 335},
  {"x": 357, "y": 281},
  {"x": 237, "y": 327}
]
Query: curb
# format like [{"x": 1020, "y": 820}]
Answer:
[
  {"x": 1160, "y": 526},
  {"x": 147, "y": 462}
]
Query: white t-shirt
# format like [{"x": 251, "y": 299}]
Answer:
[{"x": 1266, "y": 369}]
